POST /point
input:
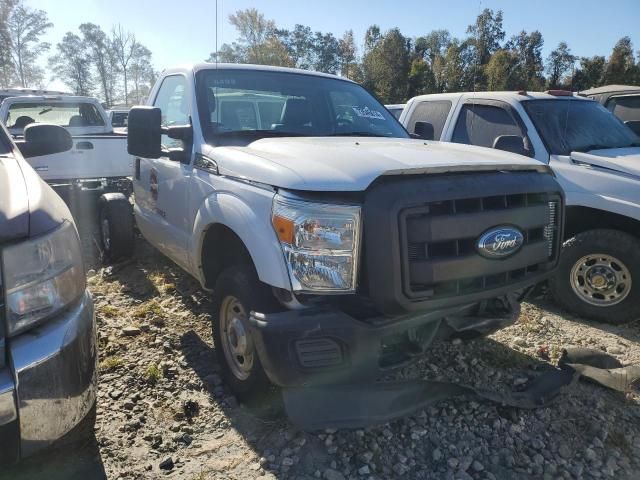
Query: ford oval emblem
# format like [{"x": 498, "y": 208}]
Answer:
[{"x": 500, "y": 242}]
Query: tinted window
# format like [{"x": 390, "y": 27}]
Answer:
[
  {"x": 172, "y": 100},
  {"x": 395, "y": 111},
  {"x": 119, "y": 119},
  {"x": 568, "y": 125},
  {"x": 241, "y": 104},
  {"x": 482, "y": 124},
  {"x": 67, "y": 114},
  {"x": 433, "y": 112},
  {"x": 625, "y": 108}
]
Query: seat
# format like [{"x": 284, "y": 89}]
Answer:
[
  {"x": 76, "y": 121},
  {"x": 296, "y": 116},
  {"x": 22, "y": 121}
]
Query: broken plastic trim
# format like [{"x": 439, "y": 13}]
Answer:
[{"x": 363, "y": 405}]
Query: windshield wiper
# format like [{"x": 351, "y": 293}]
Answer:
[
  {"x": 595, "y": 146},
  {"x": 257, "y": 133},
  {"x": 356, "y": 134}
]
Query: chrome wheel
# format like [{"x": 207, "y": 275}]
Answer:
[
  {"x": 235, "y": 338},
  {"x": 601, "y": 280},
  {"x": 105, "y": 230}
]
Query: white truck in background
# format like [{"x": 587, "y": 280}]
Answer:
[
  {"x": 336, "y": 246},
  {"x": 596, "y": 159},
  {"x": 98, "y": 161}
]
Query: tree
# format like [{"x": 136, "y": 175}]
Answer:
[
  {"x": 590, "y": 74},
  {"x": 141, "y": 71},
  {"x": 103, "y": 59},
  {"x": 348, "y": 57},
  {"x": 327, "y": 53},
  {"x": 124, "y": 46},
  {"x": 25, "y": 26},
  {"x": 421, "y": 79},
  {"x": 621, "y": 66},
  {"x": 485, "y": 37},
  {"x": 299, "y": 44},
  {"x": 501, "y": 70},
  {"x": 454, "y": 68},
  {"x": 528, "y": 73},
  {"x": 386, "y": 65},
  {"x": 257, "y": 41},
  {"x": 559, "y": 63},
  {"x": 72, "y": 64},
  {"x": 7, "y": 70}
]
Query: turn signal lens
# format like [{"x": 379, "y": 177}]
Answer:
[{"x": 284, "y": 228}]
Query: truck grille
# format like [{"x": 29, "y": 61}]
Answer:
[
  {"x": 439, "y": 243},
  {"x": 421, "y": 237}
]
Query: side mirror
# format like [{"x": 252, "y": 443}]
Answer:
[
  {"x": 511, "y": 143},
  {"x": 633, "y": 125},
  {"x": 144, "y": 132},
  {"x": 424, "y": 130},
  {"x": 44, "y": 139}
]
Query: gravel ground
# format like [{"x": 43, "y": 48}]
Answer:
[{"x": 163, "y": 411}]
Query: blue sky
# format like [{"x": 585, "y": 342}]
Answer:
[{"x": 184, "y": 31}]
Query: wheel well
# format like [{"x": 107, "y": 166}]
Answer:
[
  {"x": 581, "y": 219},
  {"x": 222, "y": 248}
]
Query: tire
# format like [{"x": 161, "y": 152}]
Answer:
[
  {"x": 617, "y": 256},
  {"x": 237, "y": 292},
  {"x": 115, "y": 226}
]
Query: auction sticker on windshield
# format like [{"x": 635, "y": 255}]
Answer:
[{"x": 366, "y": 112}]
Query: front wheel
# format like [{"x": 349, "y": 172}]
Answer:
[
  {"x": 116, "y": 226},
  {"x": 237, "y": 292},
  {"x": 598, "y": 276}
]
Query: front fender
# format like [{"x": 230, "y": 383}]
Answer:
[{"x": 247, "y": 212}]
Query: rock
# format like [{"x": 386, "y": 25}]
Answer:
[
  {"x": 287, "y": 462},
  {"x": 590, "y": 455},
  {"x": 131, "y": 331},
  {"x": 364, "y": 470},
  {"x": 453, "y": 462},
  {"x": 565, "y": 451},
  {"x": 477, "y": 466},
  {"x": 115, "y": 394},
  {"x": 615, "y": 350},
  {"x": 436, "y": 455},
  {"x": 400, "y": 469},
  {"x": 519, "y": 341},
  {"x": 166, "y": 464},
  {"x": 456, "y": 341},
  {"x": 331, "y": 474}
]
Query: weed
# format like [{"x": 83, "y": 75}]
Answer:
[
  {"x": 152, "y": 374},
  {"x": 109, "y": 310},
  {"x": 152, "y": 307},
  {"x": 110, "y": 364}
]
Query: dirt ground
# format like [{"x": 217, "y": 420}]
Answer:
[{"x": 163, "y": 410}]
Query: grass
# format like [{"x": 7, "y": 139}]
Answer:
[
  {"x": 109, "y": 310},
  {"x": 110, "y": 364},
  {"x": 160, "y": 282},
  {"x": 152, "y": 307},
  {"x": 504, "y": 357},
  {"x": 152, "y": 374}
]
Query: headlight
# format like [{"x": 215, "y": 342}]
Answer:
[
  {"x": 41, "y": 277},
  {"x": 320, "y": 244}
]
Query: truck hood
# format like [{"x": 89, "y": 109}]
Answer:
[
  {"x": 625, "y": 160},
  {"x": 28, "y": 206},
  {"x": 352, "y": 164},
  {"x": 14, "y": 201}
]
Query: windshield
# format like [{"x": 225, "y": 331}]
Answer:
[
  {"x": 577, "y": 125},
  {"x": 65, "y": 114},
  {"x": 254, "y": 103}
]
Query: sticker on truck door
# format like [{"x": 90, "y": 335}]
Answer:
[{"x": 153, "y": 184}]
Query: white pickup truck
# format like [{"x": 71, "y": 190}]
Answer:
[
  {"x": 336, "y": 246},
  {"x": 595, "y": 158},
  {"x": 98, "y": 161}
]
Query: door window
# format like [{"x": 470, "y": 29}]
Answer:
[
  {"x": 172, "y": 101},
  {"x": 482, "y": 124},
  {"x": 434, "y": 112}
]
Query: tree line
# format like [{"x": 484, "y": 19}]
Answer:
[
  {"x": 396, "y": 67},
  {"x": 116, "y": 67},
  {"x": 112, "y": 65}
]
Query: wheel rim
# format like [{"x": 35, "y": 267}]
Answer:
[
  {"x": 601, "y": 280},
  {"x": 236, "y": 340},
  {"x": 106, "y": 233}
]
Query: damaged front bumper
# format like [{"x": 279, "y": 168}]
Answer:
[{"x": 322, "y": 346}]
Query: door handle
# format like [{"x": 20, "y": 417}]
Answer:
[{"x": 84, "y": 146}]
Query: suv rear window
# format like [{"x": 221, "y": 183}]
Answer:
[
  {"x": 67, "y": 114},
  {"x": 434, "y": 112},
  {"x": 625, "y": 108}
]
